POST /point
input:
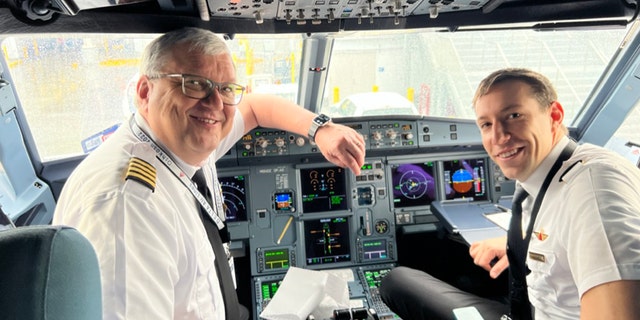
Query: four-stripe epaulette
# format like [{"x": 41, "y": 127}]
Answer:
[{"x": 141, "y": 171}]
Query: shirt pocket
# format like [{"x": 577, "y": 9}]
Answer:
[{"x": 541, "y": 263}]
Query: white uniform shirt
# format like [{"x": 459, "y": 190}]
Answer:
[
  {"x": 155, "y": 258},
  {"x": 587, "y": 231}
]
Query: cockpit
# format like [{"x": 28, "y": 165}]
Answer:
[{"x": 400, "y": 73}]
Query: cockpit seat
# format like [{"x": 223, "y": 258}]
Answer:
[{"x": 48, "y": 272}]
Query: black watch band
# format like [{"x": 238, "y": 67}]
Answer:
[{"x": 317, "y": 123}]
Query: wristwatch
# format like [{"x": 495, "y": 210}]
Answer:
[{"x": 317, "y": 123}]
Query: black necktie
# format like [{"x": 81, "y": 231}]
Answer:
[
  {"x": 231, "y": 304},
  {"x": 517, "y": 252}
]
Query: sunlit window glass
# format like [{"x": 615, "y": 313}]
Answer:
[
  {"x": 76, "y": 89},
  {"x": 436, "y": 73}
]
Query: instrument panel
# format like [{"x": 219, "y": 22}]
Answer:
[{"x": 288, "y": 207}]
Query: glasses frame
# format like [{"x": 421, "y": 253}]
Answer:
[{"x": 211, "y": 85}]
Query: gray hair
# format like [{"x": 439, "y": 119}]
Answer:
[{"x": 202, "y": 41}]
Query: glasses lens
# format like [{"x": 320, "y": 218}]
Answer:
[
  {"x": 230, "y": 93},
  {"x": 196, "y": 87},
  {"x": 201, "y": 88}
]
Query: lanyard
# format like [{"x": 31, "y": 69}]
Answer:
[
  {"x": 564, "y": 156},
  {"x": 517, "y": 249},
  {"x": 179, "y": 173}
]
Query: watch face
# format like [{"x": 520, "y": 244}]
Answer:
[{"x": 322, "y": 119}]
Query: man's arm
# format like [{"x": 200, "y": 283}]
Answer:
[
  {"x": 611, "y": 300},
  {"x": 339, "y": 144}
]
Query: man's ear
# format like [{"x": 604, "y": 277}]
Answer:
[
  {"x": 557, "y": 113},
  {"x": 142, "y": 92}
]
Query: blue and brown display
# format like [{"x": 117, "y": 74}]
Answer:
[{"x": 465, "y": 178}]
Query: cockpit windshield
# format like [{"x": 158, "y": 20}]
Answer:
[
  {"x": 76, "y": 88},
  {"x": 436, "y": 73}
]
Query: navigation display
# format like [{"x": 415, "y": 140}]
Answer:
[
  {"x": 465, "y": 178},
  {"x": 327, "y": 241},
  {"x": 414, "y": 184},
  {"x": 323, "y": 189}
]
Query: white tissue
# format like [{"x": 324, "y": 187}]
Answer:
[{"x": 307, "y": 292}]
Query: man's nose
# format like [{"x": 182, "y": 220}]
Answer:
[
  {"x": 500, "y": 133},
  {"x": 214, "y": 100}
]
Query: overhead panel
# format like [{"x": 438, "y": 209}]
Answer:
[{"x": 325, "y": 11}]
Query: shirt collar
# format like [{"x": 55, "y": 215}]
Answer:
[
  {"x": 533, "y": 184},
  {"x": 188, "y": 169}
]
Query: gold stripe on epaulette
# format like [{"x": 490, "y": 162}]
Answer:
[{"x": 142, "y": 171}]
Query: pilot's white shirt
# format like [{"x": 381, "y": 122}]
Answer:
[
  {"x": 587, "y": 231},
  {"x": 155, "y": 258}
]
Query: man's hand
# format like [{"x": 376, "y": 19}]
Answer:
[
  {"x": 342, "y": 146},
  {"x": 491, "y": 255}
]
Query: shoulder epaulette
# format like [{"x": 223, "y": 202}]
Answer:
[{"x": 141, "y": 171}]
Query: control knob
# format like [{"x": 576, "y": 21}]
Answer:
[
  {"x": 262, "y": 143},
  {"x": 392, "y": 134}
]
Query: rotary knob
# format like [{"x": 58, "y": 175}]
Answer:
[{"x": 262, "y": 143}]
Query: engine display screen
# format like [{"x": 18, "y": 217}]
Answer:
[{"x": 323, "y": 189}]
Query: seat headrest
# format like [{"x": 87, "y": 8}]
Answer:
[{"x": 48, "y": 272}]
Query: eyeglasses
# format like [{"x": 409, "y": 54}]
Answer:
[{"x": 201, "y": 88}]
